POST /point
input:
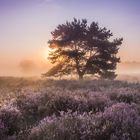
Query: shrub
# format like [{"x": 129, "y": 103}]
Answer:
[
  {"x": 33, "y": 106},
  {"x": 73, "y": 110},
  {"x": 56, "y": 128},
  {"x": 10, "y": 121},
  {"x": 120, "y": 121},
  {"x": 62, "y": 103},
  {"x": 126, "y": 96}
]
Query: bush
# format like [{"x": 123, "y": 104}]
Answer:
[
  {"x": 65, "y": 127},
  {"x": 10, "y": 121},
  {"x": 36, "y": 106},
  {"x": 33, "y": 107},
  {"x": 126, "y": 96},
  {"x": 120, "y": 121},
  {"x": 73, "y": 110},
  {"x": 62, "y": 103}
]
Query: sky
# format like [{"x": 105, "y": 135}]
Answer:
[{"x": 26, "y": 25}]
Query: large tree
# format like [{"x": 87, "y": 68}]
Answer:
[{"x": 79, "y": 48}]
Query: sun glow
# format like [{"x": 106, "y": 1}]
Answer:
[{"x": 45, "y": 53}]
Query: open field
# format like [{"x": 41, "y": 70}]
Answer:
[{"x": 37, "y": 109}]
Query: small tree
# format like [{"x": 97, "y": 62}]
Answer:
[{"x": 82, "y": 49}]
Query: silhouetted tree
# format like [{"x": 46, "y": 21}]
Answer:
[{"x": 83, "y": 49}]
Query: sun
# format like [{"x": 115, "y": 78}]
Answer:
[{"x": 45, "y": 53}]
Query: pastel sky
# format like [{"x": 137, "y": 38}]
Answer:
[{"x": 25, "y": 27}]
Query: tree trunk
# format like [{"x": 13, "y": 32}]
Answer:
[{"x": 80, "y": 76}]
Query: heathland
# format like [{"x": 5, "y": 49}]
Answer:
[{"x": 39, "y": 109}]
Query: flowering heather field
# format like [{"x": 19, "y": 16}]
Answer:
[{"x": 69, "y": 110}]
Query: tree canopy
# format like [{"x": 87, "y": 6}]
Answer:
[{"x": 79, "y": 48}]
